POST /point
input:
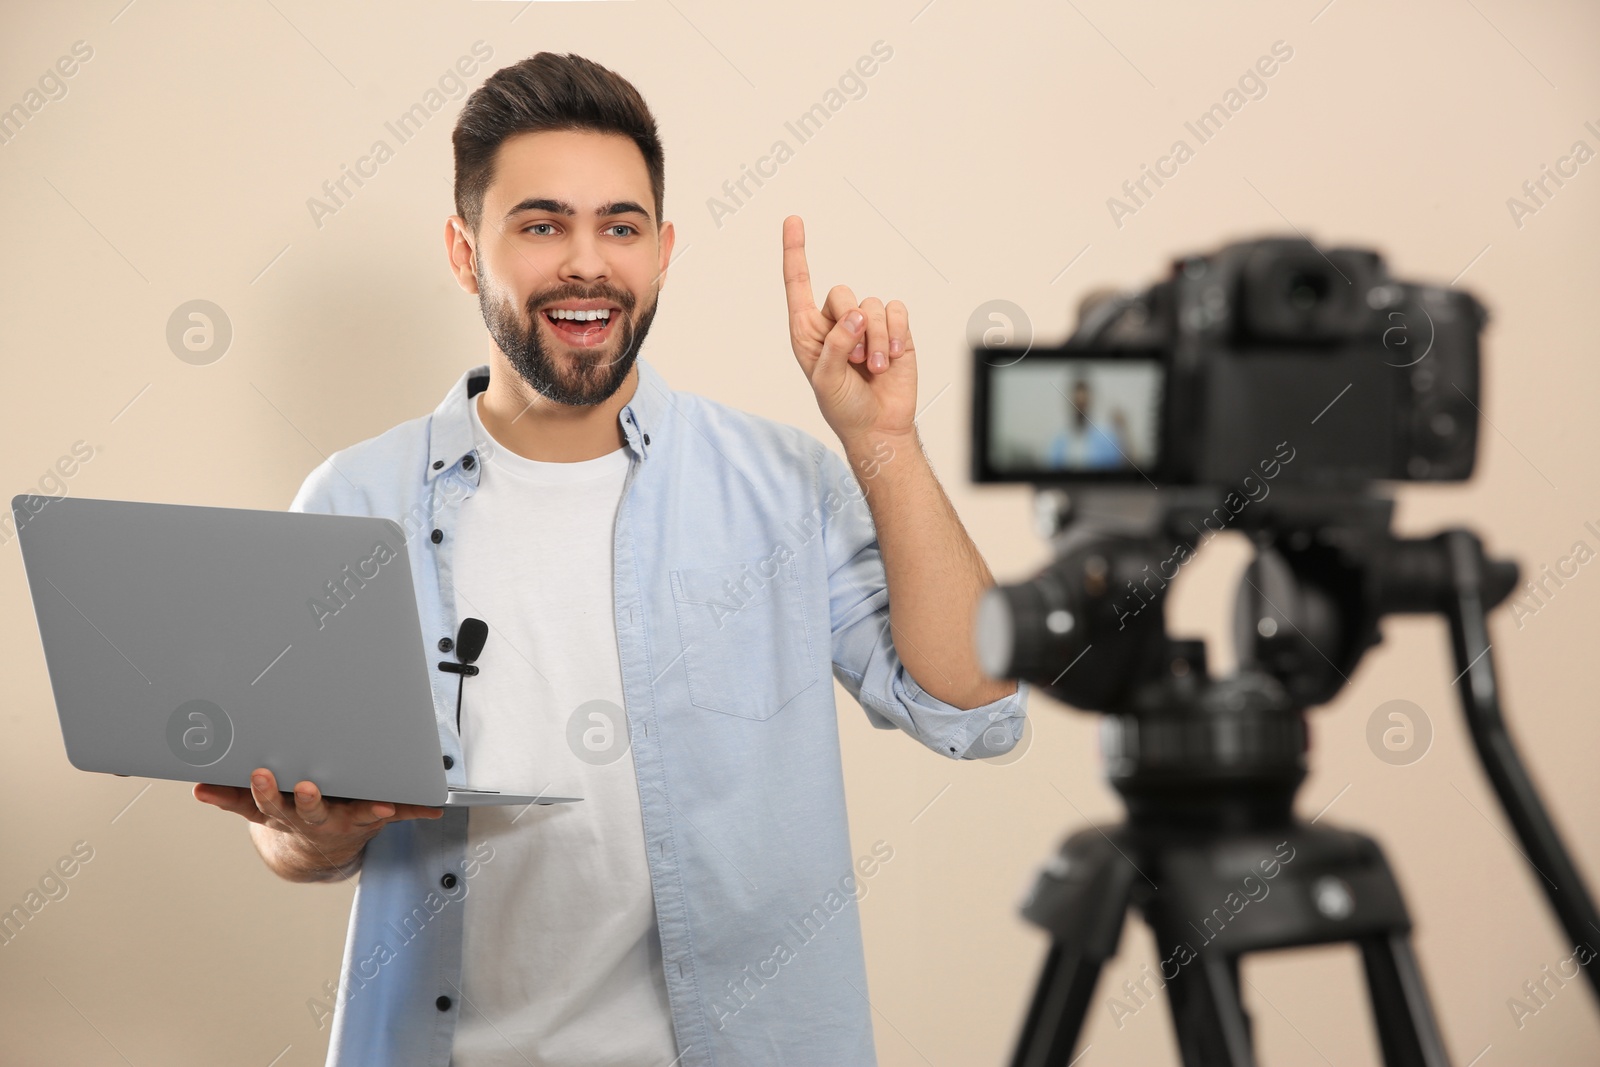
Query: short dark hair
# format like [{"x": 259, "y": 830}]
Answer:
[{"x": 548, "y": 92}]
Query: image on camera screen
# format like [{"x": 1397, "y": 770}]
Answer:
[{"x": 1074, "y": 415}]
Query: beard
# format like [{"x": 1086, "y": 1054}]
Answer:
[{"x": 560, "y": 372}]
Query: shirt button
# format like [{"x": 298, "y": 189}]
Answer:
[
  {"x": 448, "y": 881},
  {"x": 646, "y": 438},
  {"x": 445, "y": 644},
  {"x": 448, "y": 763},
  {"x": 443, "y": 1003},
  {"x": 438, "y": 535},
  {"x": 468, "y": 462},
  {"x": 438, "y": 463}
]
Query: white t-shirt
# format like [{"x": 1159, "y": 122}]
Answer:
[{"x": 562, "y": 957}]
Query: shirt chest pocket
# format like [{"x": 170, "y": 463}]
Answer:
[{"x": 745, "y": 637}]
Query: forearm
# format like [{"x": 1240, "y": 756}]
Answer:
[
  {"x": 935, "y": 573},
  {"x": 295, "y": 858}
]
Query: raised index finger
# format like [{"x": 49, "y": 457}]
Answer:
[{"x": 796, "y": 278}]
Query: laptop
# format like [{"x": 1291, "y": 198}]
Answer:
[{"x": 199, "y": 643}]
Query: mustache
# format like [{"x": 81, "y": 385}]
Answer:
[{"x": 621, "y": 297}]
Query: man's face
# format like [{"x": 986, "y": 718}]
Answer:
[
  {"x": 1080, "y": 403},
  {"x": 567, "y": 226}
]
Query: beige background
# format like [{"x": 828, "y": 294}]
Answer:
[{"x": 977, "y": 166}]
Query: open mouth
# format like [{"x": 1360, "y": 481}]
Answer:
[{"x": 582, "y": 329}]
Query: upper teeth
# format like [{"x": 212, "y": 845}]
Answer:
[{"x": 581, "y": 316}]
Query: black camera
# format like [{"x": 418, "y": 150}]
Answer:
[
  {"x": 1264, "y": 348},
  {"x": 1269, "y": 368}
]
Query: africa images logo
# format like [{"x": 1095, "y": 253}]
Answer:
[{"x": 199, "y": 733}]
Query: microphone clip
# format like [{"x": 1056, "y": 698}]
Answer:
[{"x": 470, "y": 638}]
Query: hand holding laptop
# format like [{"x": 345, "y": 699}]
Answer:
[{"x": 335, "y": 830}]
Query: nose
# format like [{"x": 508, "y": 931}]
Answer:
[{"x": 584, "y": 261}]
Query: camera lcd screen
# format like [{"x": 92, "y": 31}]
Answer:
[{"x": 1047, "y": 417}]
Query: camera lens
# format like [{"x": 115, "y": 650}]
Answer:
[{"x": 995, "y": 634}]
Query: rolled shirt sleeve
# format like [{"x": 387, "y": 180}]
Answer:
[{"x": 864, "y": 656}]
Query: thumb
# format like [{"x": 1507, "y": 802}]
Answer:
[{"x": 833, "y": 363}]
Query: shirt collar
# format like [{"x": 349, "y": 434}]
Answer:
[{"x": 450, "y": 440}]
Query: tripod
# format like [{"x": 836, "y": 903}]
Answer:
[
  {"x": 1210, "y": 895},
  {"x": 1211, "y": 854}
]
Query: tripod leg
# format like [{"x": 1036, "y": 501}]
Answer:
[
  {"x": 1055, "y": 1019},
  {"x": 1207, "y": 1017},
  {"x": 1249, "y": 1023},
  {"x": 1081, "y": 898},
  {"x": 1400, "y": 1009}
]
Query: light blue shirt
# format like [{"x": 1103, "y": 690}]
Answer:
[
  {"x": 1094, "y": 449},
  {"x": 747, "y": 573}
]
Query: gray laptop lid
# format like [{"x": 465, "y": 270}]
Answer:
[{"x": 197, "y": 643}]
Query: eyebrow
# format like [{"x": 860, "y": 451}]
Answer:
[{"x": 561, "y": 207}]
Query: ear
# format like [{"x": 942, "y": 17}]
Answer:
[
  {"x": 459, "y": 253},
  {"x": 668, "y": 236}
]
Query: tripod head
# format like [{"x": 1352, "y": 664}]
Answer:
[{"x": 1180, "y": 745}]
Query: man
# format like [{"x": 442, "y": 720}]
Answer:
[
  {"x": 669, "y": 585},
  {"x": 1082, "y": 444}
]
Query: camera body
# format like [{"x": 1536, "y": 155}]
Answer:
[{"x": 1262, "y": 349}]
